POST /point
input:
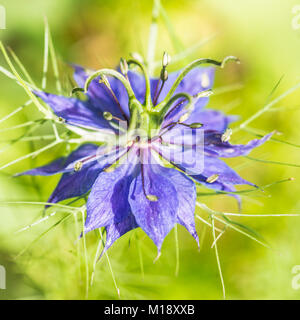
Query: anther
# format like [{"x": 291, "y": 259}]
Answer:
[
  {"x": 61, "y": 120},
  {"x": 107, "y": 116},
  {"x": 196, "y": 125},
  {"x": 151, "y": 197},
  {"x": 78, "y": 166},
  {"x": 105, "y": 81},
  {"x": 109, "y": 169},
  {"x": 212, "y": 178},
  {"x": 164, "y": 75},
  {"x": 226, "y": 135}
]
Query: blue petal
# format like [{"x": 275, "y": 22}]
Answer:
[
  {"x": 60, "y": 165},
  {"x": 102, "y": 99},
  {"x": 211, "y": 119},
  {"x": 186, "y": 192},
  {"x": 215, "y": 146},
  {"x": 108, "y": 200},
  {"x": 49, "y": 169},
  {"x": 74, "y": 184},
  {"x": 156, "y": 218},
  {"x": 64, "y": 164},
  {"x": 116, "y": 230},
  {"x": 218, "y": 186},
  {"x": 74, "y": 111},
  {"x": 213, "y": 165}
]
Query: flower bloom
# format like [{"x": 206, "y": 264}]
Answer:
[{"x": 158, "y": 143}]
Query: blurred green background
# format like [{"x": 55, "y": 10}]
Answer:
[{"x": 96, "y": 34}]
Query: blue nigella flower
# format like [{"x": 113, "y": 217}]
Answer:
[{"x": 155, "y": 130}]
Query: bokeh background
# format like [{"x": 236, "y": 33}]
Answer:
[{"x": 50, "y": 264}]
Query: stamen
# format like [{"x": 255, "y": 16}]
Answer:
[
  {"x": 78, "y": 166},
  {"x": 226, "y": 135},
  {"x": 195, "y": 125},
  {"x": 107, "y": 116},
  {"x": 112, "y": 167},
  {"x": 155, "y": 92},
  {"x": 105, "y": 81},
  {"x": 163, "y": 77},
  {"x": 150, "y": 197},
  {"x": 109, "y": 169},
  {"x": 212, "y": 178}
]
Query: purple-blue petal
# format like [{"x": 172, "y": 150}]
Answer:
[
  {"x": 214, "y": 166},
  {"x": 102, "y": 99},
  {"x": 60, "y": 165},
  {"x": 108, "y": 200},
  {"x": 186, "y": 193},
  {"x": 211, "y": 119},
  {"x": 74, "y": 111},
  {"x": 215, "y": 146},
  {"x": 49, "y": 169},
  {"x": 116, "y": 230},
  {"x": 77, "y": 183},
  {"x": 156, "y": 218}
]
